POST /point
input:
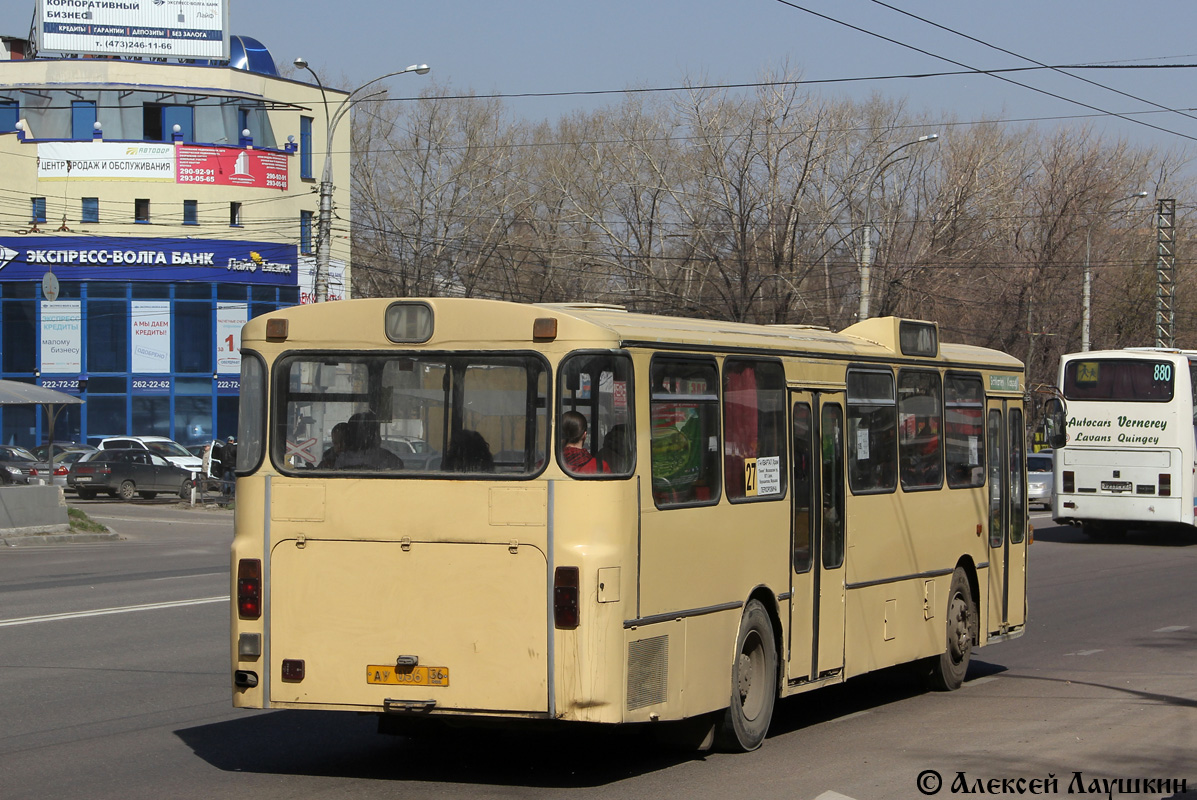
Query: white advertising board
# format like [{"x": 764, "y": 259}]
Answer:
[
  {"x": 62, "y": 337},
  {"x": 150, "y": 335},
  {"x": 229, "y": 319},
  {"x": 307, "y": 279},
  {"x": 106, "y": 161},
  {"x": 155, "y": 28}
]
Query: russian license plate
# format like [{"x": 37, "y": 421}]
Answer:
[
  {"x": 83, "y": 479},
  {"x": 1116, "y": 486},
  {"x": 391, "y": 675}
]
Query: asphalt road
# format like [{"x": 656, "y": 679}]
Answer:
[{"x": 114, "y": 684}]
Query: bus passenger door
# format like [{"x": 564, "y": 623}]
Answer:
[
  {"x": 1007, "y": 517},
  {"x": 816, "y": 645}
]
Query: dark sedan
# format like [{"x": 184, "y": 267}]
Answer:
[
  {"x": 17, "y": 464},
  {"x": 126, "y": 474}
]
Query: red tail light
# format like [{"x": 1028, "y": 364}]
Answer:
[
  {"x": 33, "y": 472},
  {"x": 249, "y": 588},
  {"x": 1069, "y": 481},
  {"x": 61, "y": 470},
  {"x": 565, "y": 598},
  {"x": 1165, "y": 485}
]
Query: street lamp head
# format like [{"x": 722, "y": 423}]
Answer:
[
  {"x": 1139, "y": 194},
  {"x": 301, "y": 63},
  {"x": 419, "y": 69},
  {"x": 929, "y": 137}
]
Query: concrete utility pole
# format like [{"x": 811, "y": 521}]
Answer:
[
  {"x": 324, "y": 234},
  {"x": 1087, "y": 283},
  {"x": 866, "y": 247}
]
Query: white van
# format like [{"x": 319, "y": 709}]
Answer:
[{"x": 169, "y": 449}]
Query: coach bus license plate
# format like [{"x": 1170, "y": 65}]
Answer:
[
  {"x": 1115, "y": 486},
  {"x": 407, "y": 676}
]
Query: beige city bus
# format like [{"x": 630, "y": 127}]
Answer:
[{"x": 471, "y": 510}]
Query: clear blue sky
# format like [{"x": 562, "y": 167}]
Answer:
[{"x": 533, "y": 46}]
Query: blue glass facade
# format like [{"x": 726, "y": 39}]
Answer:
[{"x": 194, "y": 401}]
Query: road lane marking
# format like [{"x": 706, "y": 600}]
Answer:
[
  {"x": 1172, "y": 629},
  {"x": 100, "y": 612},
  {"x": 1083, "y": 653}
]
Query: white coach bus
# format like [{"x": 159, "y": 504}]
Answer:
[{"x": 1130, "y": 458}]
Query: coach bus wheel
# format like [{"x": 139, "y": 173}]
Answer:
[
  {"x": 946, "y": 671},
  {"x": 128, "y": 490},
  {"x": 753, "y": 683}
]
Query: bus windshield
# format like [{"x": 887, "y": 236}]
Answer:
[
  {"x": 411, "y": 413},
  {"x": 1122, "y": 380}
]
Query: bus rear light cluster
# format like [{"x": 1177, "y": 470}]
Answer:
[
  {"x": 1069, "y": 481},
  {"x": 249, "y": 588},
  {"x": 1165, "y": 485},
  {"x": 565, "y": 598}
]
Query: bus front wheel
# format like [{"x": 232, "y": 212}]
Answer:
[
  {"x": 753, "y": 683},
  {"x": 946, "y": 671}
]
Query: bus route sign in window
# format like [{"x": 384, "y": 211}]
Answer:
[{"x": 1125, "y": 380}]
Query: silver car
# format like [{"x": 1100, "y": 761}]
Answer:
[{"x": 1039, "y": 478}]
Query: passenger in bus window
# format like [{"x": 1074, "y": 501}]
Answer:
[
  {"x": 574, "y": 454},
  {"x": 329, "y": 459},
  {"x": 363, "y": 445},
  {"x": 469, "y": 452},
  {"x": 616, "y": 451}
]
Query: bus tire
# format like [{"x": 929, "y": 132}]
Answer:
[
  {"x": 753, "y": 683},
  {"x": 946, "y": 671}
]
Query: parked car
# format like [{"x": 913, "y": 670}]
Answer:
[
  {"x": 169, "y": 449},
  {"x": 127, "y": 473},
  {"x": 1039, "y": 478},
  {"x": 42, "y": 451},
  {"x": 18, "y": 464},
  {"x": 63, "y": 462}
]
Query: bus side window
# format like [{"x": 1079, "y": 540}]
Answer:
[
  {"x": 685, "y": 435},
  {"x": 754, "y": 423},
  {"x": 596, "y": 405},
  {"x": 920, "y": 423},
  {"x": 964, "y": 425},
  {"x": 872, "y": 432}
]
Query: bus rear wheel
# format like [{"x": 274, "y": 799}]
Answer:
[
  {"x": 753, "y": 683},
  {"x": 946, "y": 671}
]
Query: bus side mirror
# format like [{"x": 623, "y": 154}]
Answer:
[{"x": 1055, "y": 427}]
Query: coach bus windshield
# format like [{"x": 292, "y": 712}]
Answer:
[
  {"x": 1120, "y": 380},
  {"x": 409, "y": 414}
]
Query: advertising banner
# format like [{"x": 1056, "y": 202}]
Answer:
[
  {"x": 231, "y": 166},
  {"x": 105, "y": 161},
  {"x": 62, "y": 337},
  {"x": 150, "y": 336},
  {"x": 81, "y": 258},
  {"x": 163, "y": 28},
  {"x": 229, "y": 319},
  {"x": 307, "y": 280}
]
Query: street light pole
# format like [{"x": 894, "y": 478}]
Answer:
[
  {"x": 1087, "y": 283},
  {"x": 866, "y": 248},
  {"x": 324, "y": 234}
]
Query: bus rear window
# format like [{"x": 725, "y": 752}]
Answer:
[
  {"x": 1123, "y": 380},
  {"x": 411, "y": 414}
]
